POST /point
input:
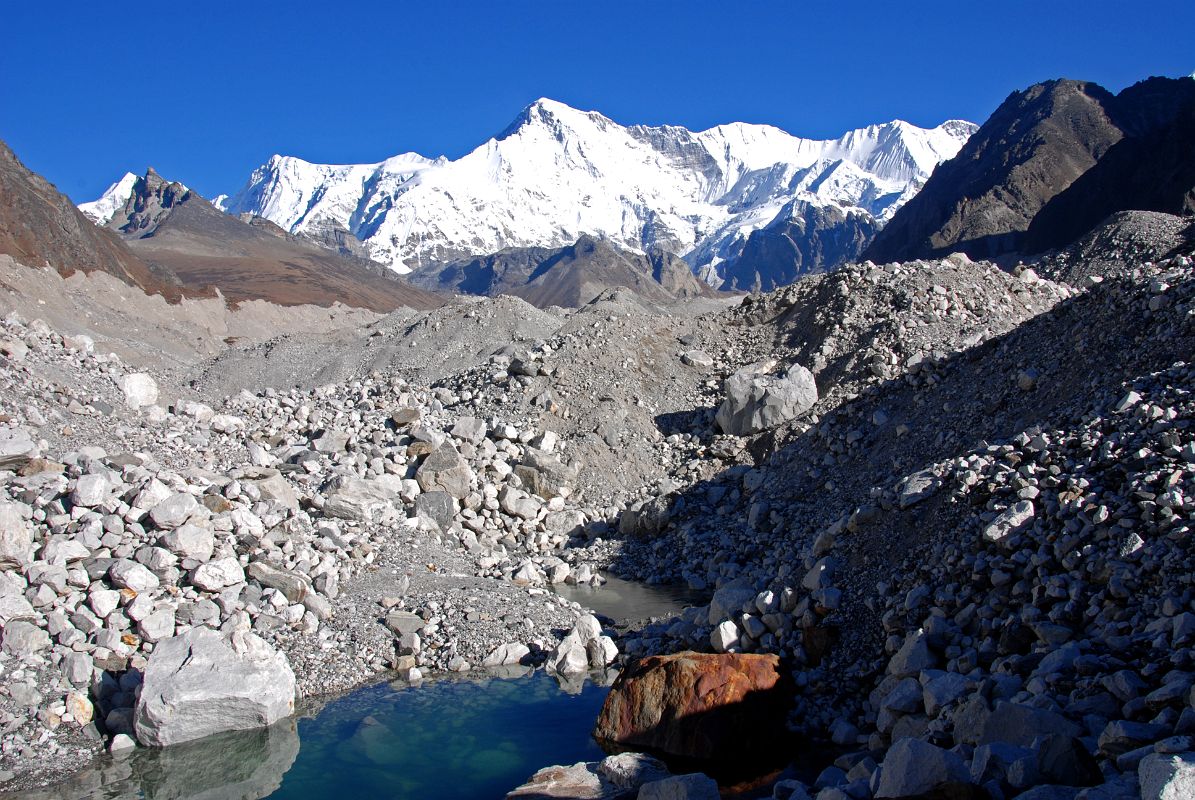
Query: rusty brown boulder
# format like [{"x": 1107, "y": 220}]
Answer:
[{"x": 698, "y": 705}]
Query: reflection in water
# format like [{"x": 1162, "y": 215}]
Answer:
[
  {"x": 242, "y": 764},
  {"x": 450, "y": 739},
  {"x": 623, "y": 600}
]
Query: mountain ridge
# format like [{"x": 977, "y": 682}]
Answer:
[
  {"x": 569, "y": 276},
  {"x": 556, "y": 173},
  {"x": 1051, "y": 163},
  {"x": 179, "y": 232}
]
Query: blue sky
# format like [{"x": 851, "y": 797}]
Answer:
[{"x": 205, "y": 92}]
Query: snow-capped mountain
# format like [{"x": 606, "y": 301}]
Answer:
[
  {"x": 101, "y": 210},
  {"x": 557, "y": 173}
]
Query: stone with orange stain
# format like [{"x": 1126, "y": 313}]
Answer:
[{"x": 698, "y": 705}]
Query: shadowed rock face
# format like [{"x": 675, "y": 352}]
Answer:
[
  {"x": 40, "y": 226},
  {"x": 569, "y": 276},
  {"x": 1050, "y": 164},
  {"x": 813, "y": 239},
  {"x": 697, "y": 705}
]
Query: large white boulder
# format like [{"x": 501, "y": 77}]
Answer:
[
  {"x": 16, "y": 536},
  {"x": 201, "y": 683},
  {"x": 139, "y": 389},
  {"x": 756, "y": 401}
]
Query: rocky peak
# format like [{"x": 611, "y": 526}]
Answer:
[{"x": 151, "y": 200}]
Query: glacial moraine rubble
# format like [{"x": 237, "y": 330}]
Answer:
[{"x": 968, "y": 538}]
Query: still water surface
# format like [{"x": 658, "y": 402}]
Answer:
[{"x": 453, "y": 739}]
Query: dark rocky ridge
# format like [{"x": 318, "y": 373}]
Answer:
[
  {"x": 1050, "y": 164},
  {"x": 181, "y": 233},
  {"x": 569, "y": 276},
  {"x": 808, "y": 240}
]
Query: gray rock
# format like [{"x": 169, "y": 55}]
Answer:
[
  {"x": 404, "y": 622},
  {"x": 724, "y": 637},
  {"x": 17, "y": 448},
  {"x": 601, "y": 652},
  {"x": 755, "y": 402},
  {"x": 1167, "y": 777},
  {"x": 632, "y": 770},
  {"x": 331, "y": 442},
  {"x": 1122, "y": 735},
  {"x": 1010, "y": 521},
  {"x": 917, "y": 487},
  {"x": 992, "y": 761},
  {"x": 219, "y": 574},
  {"x": 1019, "y": 725},
  {"x": 139, "y": 389},
  {"x": 272, "y": 486},
  {"x": 469, "y": 429},
  {"x": 913, "y": 767},
  {"x": 1049, "y": 792},
  {"x": 174, "y": 510},
  {"x": 518, "y": 503},
  {"x": 157, "y": 626},
  {"x": 905, "y": 697},
  {"x": 790, "y": 789},
  {"x": 445, "y": 470},
  {"x": 357, "y": 499},
  {"x": 694, "y": 786},
  {"x": 942, "y": 690},
  {"x": 439, "y": 507},
  {"x": 78, "y": 668},
  {"x": 90, "y": 490},
  {"x": 293, "y": 587},
  {"x": 23, "y": 638},
  {"x": 570, "y": 656},
  {"x": 576, "y": 782},
  {"x": 507, "y": 654},
  {"x": 912, "y": 657},
  {"x": 697, "y": 358},
  {"x": 729, "y": 600},
  {"x": 544, "y": 474},
  {"x": 190, "y": 541},
  {"x": 126, "y": 574},
  {"x": 201, "y": 683},
  {"x": 16, "y": 536}
]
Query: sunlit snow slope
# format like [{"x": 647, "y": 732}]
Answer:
[{"x": 557, "y": 173}]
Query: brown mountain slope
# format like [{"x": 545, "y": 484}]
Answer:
[
  {"x": 176, "y": 230},
  {"x": 39, "y": 226},
  {"x": 569, "y": 276},
  {"x": 1050, "y": 164}
]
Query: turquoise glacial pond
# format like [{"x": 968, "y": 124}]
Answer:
[{"x": 469, "y": 738}]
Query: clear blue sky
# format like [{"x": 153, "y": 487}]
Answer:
[{"x": 206, "y": 91}]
